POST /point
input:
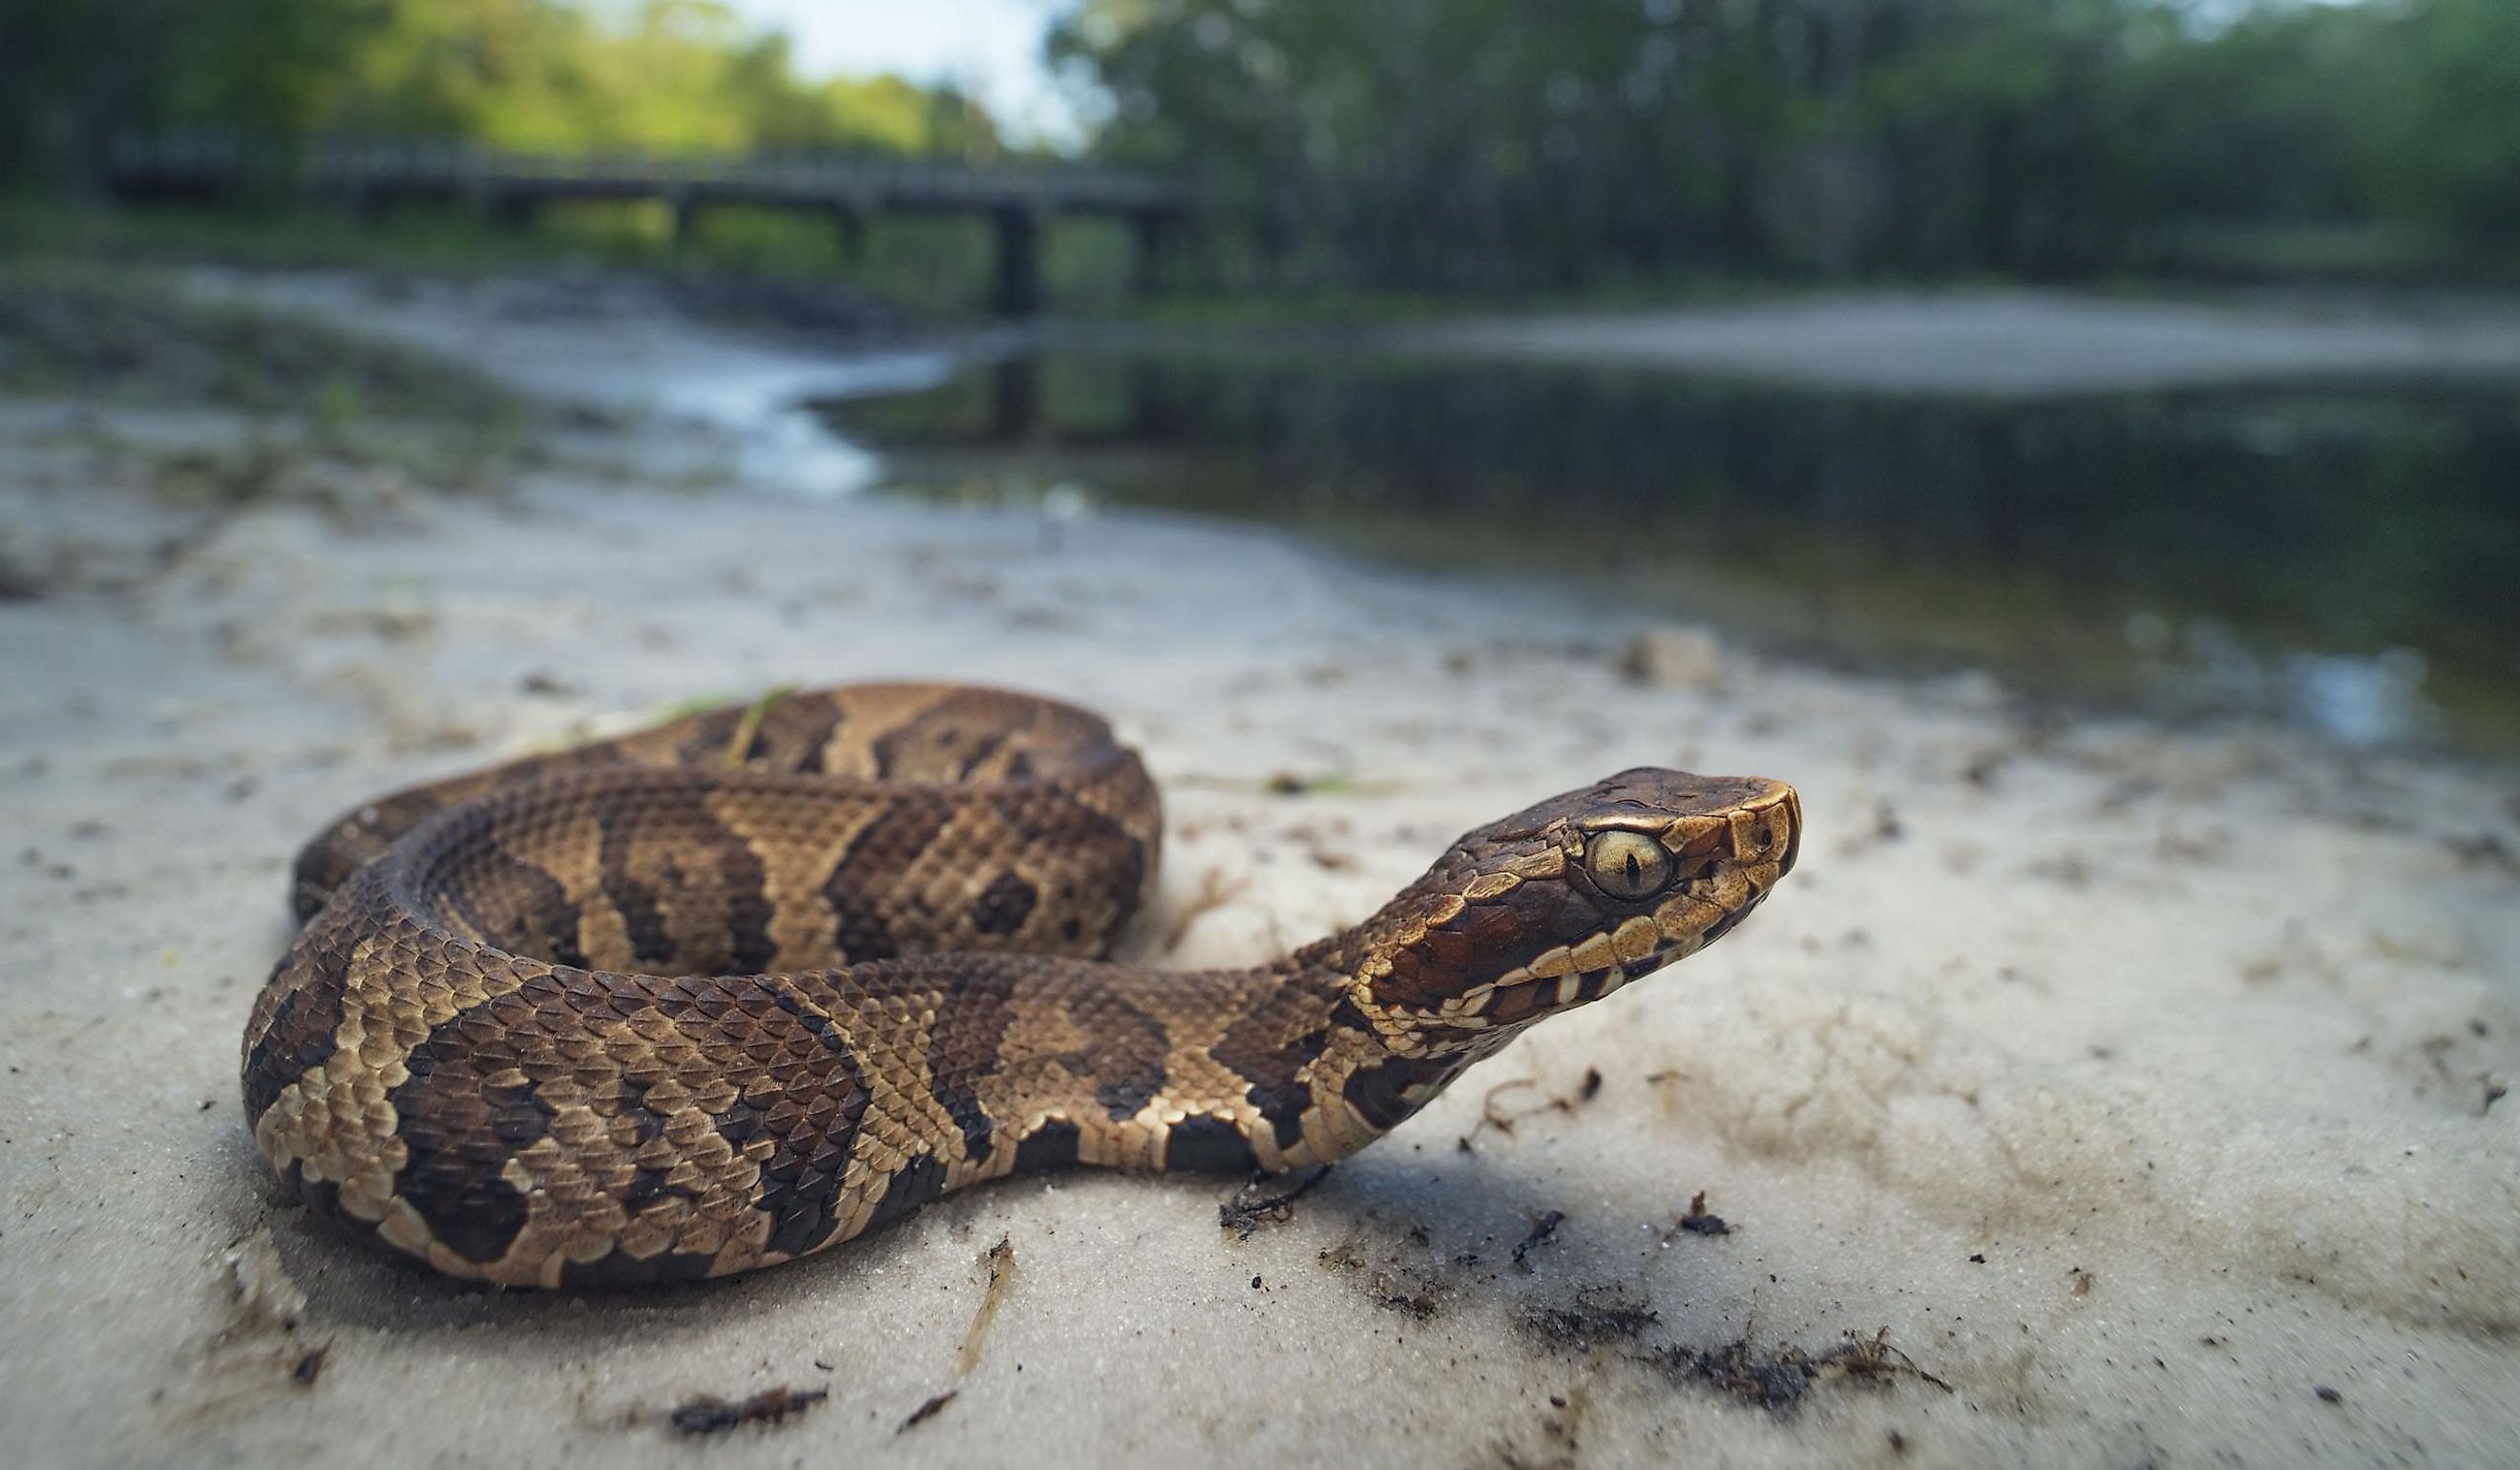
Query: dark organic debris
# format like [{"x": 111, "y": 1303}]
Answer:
[
  {"x": 2328, "y": 1395},
  {"x": 1591, "y": 1084},
  {"x": 1399, "y": 1289},
  {"x": 1247, "y": 1211},
  {"x": 1597, "y": 1315},
  {"x": 928, "y": 1410},
  {"x": 1777, "y": 1383},
  {"x": 1405, "y": 1294},
  {"x": 709, "y": 1415},
  {"x": 309, "y": 1364},
  {"x": 1697, "y": 1222},
  {"x": 1541, "y": 1230},
  {"x": 2484, "y": 850}
]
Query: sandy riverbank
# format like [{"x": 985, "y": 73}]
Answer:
[
  {"x": 2143, "y": 1086},
  {"x": 2007, "y": 342}
]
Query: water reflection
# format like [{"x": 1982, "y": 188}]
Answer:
[{"x": 2340, "y": 554}]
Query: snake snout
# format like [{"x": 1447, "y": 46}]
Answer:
[{"x": 1782, "y": 817}]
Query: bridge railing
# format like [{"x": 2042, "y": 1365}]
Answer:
[
  {"x": 371, "y": 167},
  {"x": 367, "y": 172}
]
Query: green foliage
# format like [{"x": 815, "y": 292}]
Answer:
[
  {"x": 71, "y": 75},
  {"x": 675, "y": 76},
  {"x": 545, "y": 75},
  {"x": 1413, "y": 144},
  {"x": 97, "y": 331},
  {"x": 2441, "y": 107},
  {"x": 1382, "y": 147}
]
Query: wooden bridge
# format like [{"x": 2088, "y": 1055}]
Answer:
[{"x": 1018, "y": 201}]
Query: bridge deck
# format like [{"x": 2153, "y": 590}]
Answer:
[{"x": 1017, "y": 199}]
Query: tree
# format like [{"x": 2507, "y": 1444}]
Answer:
[{"x": 1442, "y": 142}]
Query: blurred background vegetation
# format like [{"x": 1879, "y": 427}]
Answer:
[
  {"x": 1443, "y": 146},
  {"x": 537, "y": 76},
  {"x": 2256, "y": 538},
  {"x": 533, "y": 76},
  {"x": 1504, "y": 142}
]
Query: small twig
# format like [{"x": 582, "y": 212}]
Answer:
[
  {"x": 1001, "y": 1262},
  {"x": 1489, "y": 1117},
  {"x": 1214, "y": 892},
  {"x": 928, "y": 1410},
  {"x": 714, "y": 1415},
  {"x": 1862, "y": 1359},
  {"x": 1502, "y": 1122},
  {"x": 1244, "y": 1213}
]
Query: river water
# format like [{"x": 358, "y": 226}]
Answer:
[{"x": 2343, "y": 554}]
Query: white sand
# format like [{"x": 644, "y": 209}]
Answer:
[
  {"x": 2136, "y": 1081},
  {"x": 2012, "y": 343}
]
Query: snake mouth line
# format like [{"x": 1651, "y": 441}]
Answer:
[
  {"x": 1531, "y": 991},
  {"x": 1598, "y": 965},
  {"x": 1518, "y": 997}
]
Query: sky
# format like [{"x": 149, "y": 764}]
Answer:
[{"x": 989, "y": 48}]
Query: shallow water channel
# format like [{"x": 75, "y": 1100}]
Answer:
[{"x": 2344, "y": 555}]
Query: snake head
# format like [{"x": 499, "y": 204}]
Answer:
[{"x": 1567, "y": 901}]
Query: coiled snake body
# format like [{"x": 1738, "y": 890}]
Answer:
[{"x": 741, "y": 987}]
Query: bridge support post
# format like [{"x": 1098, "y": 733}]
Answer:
[
  {"x": 512, "y": 209},
  {"x": 1153, "y": 233},
  {"x": 687, "y": 219},
  {"x": 1015, "y": 399},
  {"x": 1018, "y": 284},
  {"x": 852, "y": 226}
]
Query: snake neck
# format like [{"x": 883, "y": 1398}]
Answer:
[
  {"x": 1364, "y": 1073},
  {"x": 1268, "y": 1068},
  {"x": 1052, "y": 1063}
]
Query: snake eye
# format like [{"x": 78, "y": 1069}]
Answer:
[{"x": 1627, "y": 864}]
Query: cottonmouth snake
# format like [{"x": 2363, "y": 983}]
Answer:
[{"x": 741, "y": 987}]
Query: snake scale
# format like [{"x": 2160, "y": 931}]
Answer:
[{"x": 733, "y": 990}]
